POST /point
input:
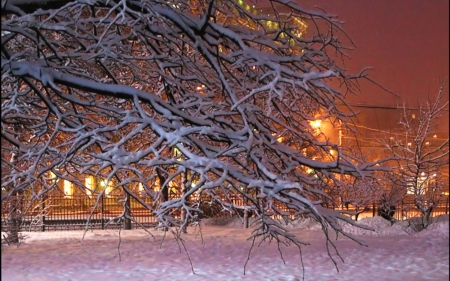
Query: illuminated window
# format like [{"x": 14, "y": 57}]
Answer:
[
  {"x": 427, "y": 143},
  {"x": 89, "y": 183},
  {"x": 140, "y": 188},
  {"x": 435, "y": 137},
  {"x": 413, "y": 116},
  {"x": 173, "y": 187},
  {"x": 68, "y": 189},
  {"x": 279, "y": 139},
  {"x": 107, "y": 186},
  {"x": 53, "y": 177},
  {"x": 409, "y": 144},
  {"x": 177, "y": 153}
]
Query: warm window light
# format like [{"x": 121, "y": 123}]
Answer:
[
  {"x": 427, "y": 143},
  {"x": 279, "y": 139},
  {"x": 409, "y": 144},
  {"x": 68, "y": 188},
  {"x": 109, "y": 187},
  {"x": 435, "y": 136},
  {"x": 172, "y": 187},
  {"x": 89, "y": 183},
  {"x": 413, "y": 116},
  {"x": 52, "y": 177},
  {"x": 140, "y": 187}
]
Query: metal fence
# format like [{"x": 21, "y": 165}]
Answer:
[
  {"x": 81, "y": 211},
  {"x": 76, "y": 212},
  {"x": 406, "y": 208}
]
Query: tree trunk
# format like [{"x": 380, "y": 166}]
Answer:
[{"x": 127, "y": 221}]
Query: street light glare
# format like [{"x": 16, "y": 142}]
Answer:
[{"x": 316, "y": 124}]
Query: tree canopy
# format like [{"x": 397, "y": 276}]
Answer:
[{"x": 210, "y": 96}]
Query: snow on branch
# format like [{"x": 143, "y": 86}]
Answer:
[{"x": 184, "y": 102}]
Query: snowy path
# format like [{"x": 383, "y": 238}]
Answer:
[{"x": 61, "y": 256}]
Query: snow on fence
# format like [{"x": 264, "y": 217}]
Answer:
[{"x": 72, "y": 212}]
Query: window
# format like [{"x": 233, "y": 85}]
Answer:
[
  {"x": 108, "y": 187},
  {"x": 53, "y": 178},
  {"x": 140, "y": 188},
  {"x": 68, "y": 189},
  {"x": 89, "y": 183}
]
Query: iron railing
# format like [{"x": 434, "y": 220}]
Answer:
[
  {"x": 80, "y": 211},
  {"x": 75, "y": 212}
]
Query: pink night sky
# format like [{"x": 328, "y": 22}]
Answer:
[{"x": 405, "y": 41}]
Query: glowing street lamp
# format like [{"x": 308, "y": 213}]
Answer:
[{"x": 316, "y": 124}]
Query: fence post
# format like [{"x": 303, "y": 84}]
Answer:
[
  {"x": 446, "y": 205},
  {"x": 43, "y": 212},
  {"x": 103, "y": 211}
]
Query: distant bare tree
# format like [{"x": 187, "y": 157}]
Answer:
[
  {"x": 187, "y": 94},
  {"x": 422, "y": 160}
]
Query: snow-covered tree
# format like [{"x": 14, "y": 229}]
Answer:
[
  {"x": 422, "y": 160},
  {"x": 392, "y": 194},
  {"x": 189, "y": 96},
  {"x": 359, "y": 193}
]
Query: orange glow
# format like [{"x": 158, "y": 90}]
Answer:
[
  {"x": 68, "y": 189},
  {"x": 279, "y": 139},
  {"x": 316, "y": 124},
  {"x": 89, "y": 182}
]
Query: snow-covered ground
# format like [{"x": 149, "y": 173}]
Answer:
[{"x": 392, "y": 254}]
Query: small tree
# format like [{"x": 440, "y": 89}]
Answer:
[
  {"x": 392, "y": 194},
  {"x": 421, "y": 159},
  {"x": 358, "y": 192}
]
